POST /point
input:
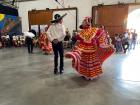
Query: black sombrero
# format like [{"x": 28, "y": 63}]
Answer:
[{"x": 57, "y": 18}]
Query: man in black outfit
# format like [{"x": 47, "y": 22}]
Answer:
[
  {"x": 29, "y": 42},
  {"x": 56, "y": 33}
]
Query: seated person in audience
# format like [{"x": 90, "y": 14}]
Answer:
[
  {"x": 3, "y": 40},
  {"x": 22, "y": 40},
  {"x": 125, "y": 41},
  {"x": 118, "y": 43},
  {"x": 73, "y": 39},
  {"x": 68, "y": 36},
  {"x": 109, "y": 40},
  {"x": 67, "y": 39},
  {"x": 7, "y": 41},
  {"x": 15, "y": 39},
  {"x": 0, "y": 40}
]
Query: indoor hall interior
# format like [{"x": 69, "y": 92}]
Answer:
[{"x": 29, "y": 79}]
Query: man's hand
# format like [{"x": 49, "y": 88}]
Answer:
[{"x": 55, "y": 41}]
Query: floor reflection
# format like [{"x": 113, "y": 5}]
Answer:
[{"x": 130, "y": 66}]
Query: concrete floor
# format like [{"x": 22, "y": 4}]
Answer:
[{"x": 28, "y": 79}]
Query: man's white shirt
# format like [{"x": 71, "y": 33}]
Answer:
[{"x": 56, "y": 31}]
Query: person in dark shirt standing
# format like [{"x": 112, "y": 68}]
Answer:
[
  {"x": 133, "y": 40},
  {"x": 29, "y": 41}
]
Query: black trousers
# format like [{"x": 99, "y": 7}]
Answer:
[
  {"x": 29, "y": 42},
  {"x": 30, "y": 48},
  {"x": 58, "y": 51},
  {"x": 125, "y": 46}
]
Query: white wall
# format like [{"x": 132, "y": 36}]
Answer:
[{"x": 84, "y": 8}]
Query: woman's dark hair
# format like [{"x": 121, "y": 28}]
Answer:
[{"x": 81, "y": 26}]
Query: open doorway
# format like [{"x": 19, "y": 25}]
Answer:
[{"x": 133, "y": 21}]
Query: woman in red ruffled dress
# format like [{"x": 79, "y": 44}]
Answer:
[
  {"x": 45, "y": 44},
  {"x": 90, "y": 50}
]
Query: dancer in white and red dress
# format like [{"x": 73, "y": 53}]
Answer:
[{"x": 45, "y": 44}]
